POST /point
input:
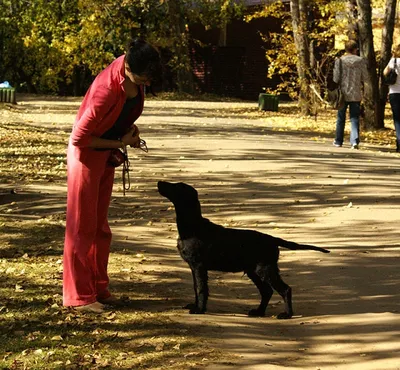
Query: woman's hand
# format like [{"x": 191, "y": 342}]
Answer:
[{"x": 132, "y": 137}]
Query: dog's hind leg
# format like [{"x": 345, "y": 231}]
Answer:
[
  {"x": 265, "y": 291},
  {"x": 200, "y": 284},
  {"x": 282, "y": 288}
]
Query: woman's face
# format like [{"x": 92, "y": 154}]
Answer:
[{"x": 136, "y": 79}]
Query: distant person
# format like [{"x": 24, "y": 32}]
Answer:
[
  {"x": 105, "y": 121},
  {"x": 351, "y": 79},
  {"x": 394, "y": 93}
]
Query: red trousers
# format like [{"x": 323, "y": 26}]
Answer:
[{"x": 88, "y": 235}]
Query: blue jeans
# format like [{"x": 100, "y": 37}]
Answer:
[
  {"x": 394, "y": 100},
  {"x": 355, "y": 110}
]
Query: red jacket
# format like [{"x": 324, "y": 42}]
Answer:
[{"x": 102, "y": 105}]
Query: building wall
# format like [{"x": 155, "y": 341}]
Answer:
[{"x": 238, "y": 69}]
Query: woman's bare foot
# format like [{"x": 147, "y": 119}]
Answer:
[{"x": 95, "y": 307}]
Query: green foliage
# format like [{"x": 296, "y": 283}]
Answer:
[
  {"x": 45, "y": 43},
  {"x": 214, "y": 14},
  {"x": 31, "y": 51}
]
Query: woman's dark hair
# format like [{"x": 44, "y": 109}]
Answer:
[{"x": 143, "y": 59}]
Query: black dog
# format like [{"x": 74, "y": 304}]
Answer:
[{"x": 207, "y": 246}]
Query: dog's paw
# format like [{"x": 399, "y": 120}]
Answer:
[
  {"x": 256, "y": 313},
  {"x": 190, "y": 306},
  {"x": 284, "y": 316},
  {"x": 196, "y": 311}
]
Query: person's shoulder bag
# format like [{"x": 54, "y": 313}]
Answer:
[
  {"x": 391, "y": 77},
  {"x": 335, "y": 97}
]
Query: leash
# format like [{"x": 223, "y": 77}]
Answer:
[{"x": 126, "y": 180}]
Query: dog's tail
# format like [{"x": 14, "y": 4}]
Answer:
[{"x": 294, "y": 246}]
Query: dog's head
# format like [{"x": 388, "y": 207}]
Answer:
[{"x": 178, "y": 193}]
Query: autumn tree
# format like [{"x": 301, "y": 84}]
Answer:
[
  {"x": 27, "y": 51},
  {"x": 304, "y": 45},
  {"x": 179, "y": 40},
  {"x": 299, "y": 10},
  {"x": 375, "y": 91},
  {"x": 371, "y": 92},
  {"x": 335, "y": 20},
  {"x": 386, "y": 47},
  {"x": 352, "y": 20},
  {"x": 180, "y": 13},
  {"x": 51, "y": 45}
]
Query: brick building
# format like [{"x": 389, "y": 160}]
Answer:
[{"x": 233, "y": 62}]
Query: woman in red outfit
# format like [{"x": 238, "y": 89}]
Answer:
[{"x": 104, "y": 121}]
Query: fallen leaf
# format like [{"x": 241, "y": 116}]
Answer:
[
  {"x": 160, "y": 346},
  {"x": 111, "y": 316},
  {"x": 122, "y": 356},
  {"x": 57, "y": 338}
]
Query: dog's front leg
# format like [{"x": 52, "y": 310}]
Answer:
[
  {"x": 194, "y": 305},
  {"x": 200, "y": 283}
]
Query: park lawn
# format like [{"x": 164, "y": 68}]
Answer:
[
  {"x": 38, "y": 333},
  {"x": 35, "y": 330}
]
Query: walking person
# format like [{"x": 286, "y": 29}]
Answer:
[
  {"x": 112, "y": 104},
  {"x": 350, "y": 72},
  {"x": 394, "y": 93}
]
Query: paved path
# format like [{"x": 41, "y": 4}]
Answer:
[{"x": 290, "y": 185}]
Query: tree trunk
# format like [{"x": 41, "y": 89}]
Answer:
[
  {"x": 371, "y": 92},
  {"x": 386, "y": 52},
  {"x": 352, "y": 28},
  {"x": 299, "y": 10},
  {"x": 181, "y": 47}
]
